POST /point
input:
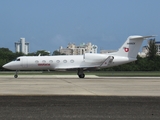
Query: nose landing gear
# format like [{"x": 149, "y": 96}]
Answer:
[{"x": 16, "y": 74}]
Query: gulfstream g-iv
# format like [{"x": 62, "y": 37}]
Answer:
[{"x": 127, "y": 53}]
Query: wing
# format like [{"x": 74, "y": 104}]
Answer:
[{"x": 90, "y": 65}]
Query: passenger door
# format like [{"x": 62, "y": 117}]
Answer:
[{"x": 24, "y": 62}]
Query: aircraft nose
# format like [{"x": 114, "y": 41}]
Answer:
[
  {"x": 12, "y": 65},
  {"x": 6, "y": 66}
]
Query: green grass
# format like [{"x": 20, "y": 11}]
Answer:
[{"x": 97, "y": 73}]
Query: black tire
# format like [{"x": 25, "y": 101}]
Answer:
[
  {"x": 81, "y": 75},
  {"x": 15, "y": 76}
]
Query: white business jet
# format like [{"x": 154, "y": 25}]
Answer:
[{"x": 127, "y": 53}]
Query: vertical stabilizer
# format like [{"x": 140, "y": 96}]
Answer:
[{"x": 131, "y": 47}]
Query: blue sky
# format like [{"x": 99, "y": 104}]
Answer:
[{"x": 49, "y": 24}]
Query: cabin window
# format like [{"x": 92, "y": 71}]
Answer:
[
  {"x": 51, "y": 61},
  {"x": 36, "y": 61},
  {"x": 43, "y": 61},
  {"x": 72, "y": 61},
  {"x": 65, "y": 61},
  {"x": 58, "y": 61}
]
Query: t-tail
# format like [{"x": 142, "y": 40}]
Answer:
[{"x": 131, "y": 47}]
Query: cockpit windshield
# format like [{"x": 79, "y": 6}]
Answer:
[{"x": 18, "y": 59}]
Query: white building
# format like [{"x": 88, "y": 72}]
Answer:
[
  {"x": 158, "y": 47},
  {"x": 22, "y": 46},
  {"x": 72, "y": 49}
]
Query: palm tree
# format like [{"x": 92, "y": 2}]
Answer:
[{"x": 152, "y": 49}]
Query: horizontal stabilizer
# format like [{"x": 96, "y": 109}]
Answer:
[{"x": 140, "y": 37}]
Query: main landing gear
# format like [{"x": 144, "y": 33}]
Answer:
[
  {"x": 80, "y": 73},
  {"x": 16, "y": 74}
]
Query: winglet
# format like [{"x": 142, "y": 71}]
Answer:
[{"x": 107, "y": 61}]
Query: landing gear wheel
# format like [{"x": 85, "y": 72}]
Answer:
[
  {"x": 15, "y": 76},
  {"x": 81, "y": 75}
]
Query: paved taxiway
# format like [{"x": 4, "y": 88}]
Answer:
[
  {"x": 72, "y": 85},
  {"x": 68, "y": 97}
]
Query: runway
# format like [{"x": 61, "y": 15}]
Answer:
[
  {"x": 69, "y": 98},
  {"x": 72, "y": 85},
  {"x": 79, "y": 108}
]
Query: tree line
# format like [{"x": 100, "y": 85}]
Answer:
[{"x": 150, "y": 63}]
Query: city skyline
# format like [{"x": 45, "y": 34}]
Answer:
[{"x": 22, "y": 46}]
